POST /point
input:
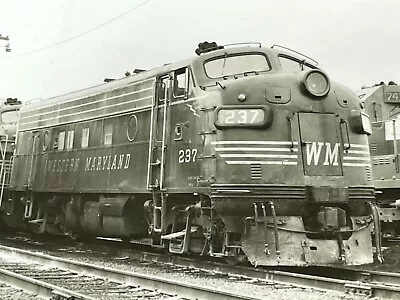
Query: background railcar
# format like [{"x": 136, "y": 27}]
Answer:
[
  {"x": 9, "y": 116},
  {"x": 382, "y": 103},
  {"x": 242, "y": 152}
]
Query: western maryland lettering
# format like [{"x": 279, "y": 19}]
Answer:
[
  {"x": 108, "y": 162},
  {"x": 92, "y": 163},
  {"x": 313, "y": 153},
  {"x": 63, "y": 165}
]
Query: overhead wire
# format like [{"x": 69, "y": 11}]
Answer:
[{"x": 85, "y": 32}]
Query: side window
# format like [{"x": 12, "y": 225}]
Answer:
[
  {"x": 61, "y": 140},
  {"x": 10, "y": 117},
  {"x": 181, "y": 82},
  {"x": 162, "y": 88},
  {"x": 85, "y": 137},
  {"x": 292, "y": 65},
  {"x": 108, "y": 133},
  {"x": 70, "y": 139}
]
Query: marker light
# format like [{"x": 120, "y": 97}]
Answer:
[
  {"x": 317, "y": 83},
  {"x": 242, "y": 97}
]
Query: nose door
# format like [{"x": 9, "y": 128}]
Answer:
[{"x": 320, "y": 144}]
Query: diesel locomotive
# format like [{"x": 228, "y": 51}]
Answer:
[
  {"x": 241, "y": 152},
  {"x": 9, "y": 116},
  {"x": 382, "y": 103}
]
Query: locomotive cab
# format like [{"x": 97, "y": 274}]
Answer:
[{"x": 290, "y": 160}]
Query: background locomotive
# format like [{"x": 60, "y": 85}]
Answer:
[
  {"x": 382, "y": 102},
  {"x": 242, "y": 152},
  {"x": 9, "y": 116}
]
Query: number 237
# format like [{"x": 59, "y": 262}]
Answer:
[{"x": 187, "y": 155}]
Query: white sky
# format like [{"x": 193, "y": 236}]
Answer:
[{"x": 355, "y": 41}]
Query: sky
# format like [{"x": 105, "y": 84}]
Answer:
[{"x": 59, "y": 46}]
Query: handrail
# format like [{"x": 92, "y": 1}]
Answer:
[
  {"x": 151, "y": 137},
  {"x": 395, "y": 152},
  {"x": 164, "y": 133},
  {"x": 289, "y": 119},
  {"x": 3, "y": 172},
  {"x": 347, "y": 134}
]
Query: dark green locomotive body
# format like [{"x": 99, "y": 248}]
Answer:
[{"x": 243, "y": 152}]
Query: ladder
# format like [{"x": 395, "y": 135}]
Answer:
[
  {"x": 5, "y": 167},
  {"x": 156, "y": 162}
]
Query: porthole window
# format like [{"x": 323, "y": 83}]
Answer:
[
  {"x": 132, "y": 128},
  {"x": 46, "y": 140}
]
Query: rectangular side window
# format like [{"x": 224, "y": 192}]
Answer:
[
  {"x": 85, "y": 137},
  {"x": 108, "y": 133},
  {"x": 181, "y": 82},
  {"x": 70, "y": 139},
  {"x": 162, "y": 88},
  {"x": 61, "y": 140},
  {"x": 55, "y": 143}
]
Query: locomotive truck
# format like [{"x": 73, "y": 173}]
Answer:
[{"x": 241, "y": 152}]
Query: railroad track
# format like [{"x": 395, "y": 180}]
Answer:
[
  {"x": 383, "y": 285},
  {"x": 57, "y": 278}
]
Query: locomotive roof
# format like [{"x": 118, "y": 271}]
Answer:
[
  {"x": 125, "y": 81},
  {"x": 105, "y": 87},
  {"x": 125, "y": 95},
  {"x": 365, "y": 93}
]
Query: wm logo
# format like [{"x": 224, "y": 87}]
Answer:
[{"x": 315, "y": 149}]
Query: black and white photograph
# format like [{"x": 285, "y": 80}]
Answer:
[{"x": 174, "y": 150}]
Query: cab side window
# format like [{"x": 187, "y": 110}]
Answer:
[
  {"x": 162, "y": 88},
  {"x": 181, "y": 82}
]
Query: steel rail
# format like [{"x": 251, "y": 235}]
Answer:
[
  {"x": 383, "y": 285},
  {"x": 184, "y": 290},
  {"x": 38, "y": 287}
]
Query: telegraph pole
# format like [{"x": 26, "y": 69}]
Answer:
[{"x": 6, "y": 38}]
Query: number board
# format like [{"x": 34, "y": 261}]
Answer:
[
  {"x": 392, "y": 97},
  {"x": 242, "y": 117}
]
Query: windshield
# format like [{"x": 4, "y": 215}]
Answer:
[
  {"x": 236, "y": 64},
  {"x": 9, "y": 117},
  {"x": 291, "y": 64}
]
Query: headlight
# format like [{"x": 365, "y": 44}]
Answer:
[
  {"x": 317, "y": 83},
  {"x": 360, "y": 122}
]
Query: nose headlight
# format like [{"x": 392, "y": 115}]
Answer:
[{"x": 317, "y": 83}]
